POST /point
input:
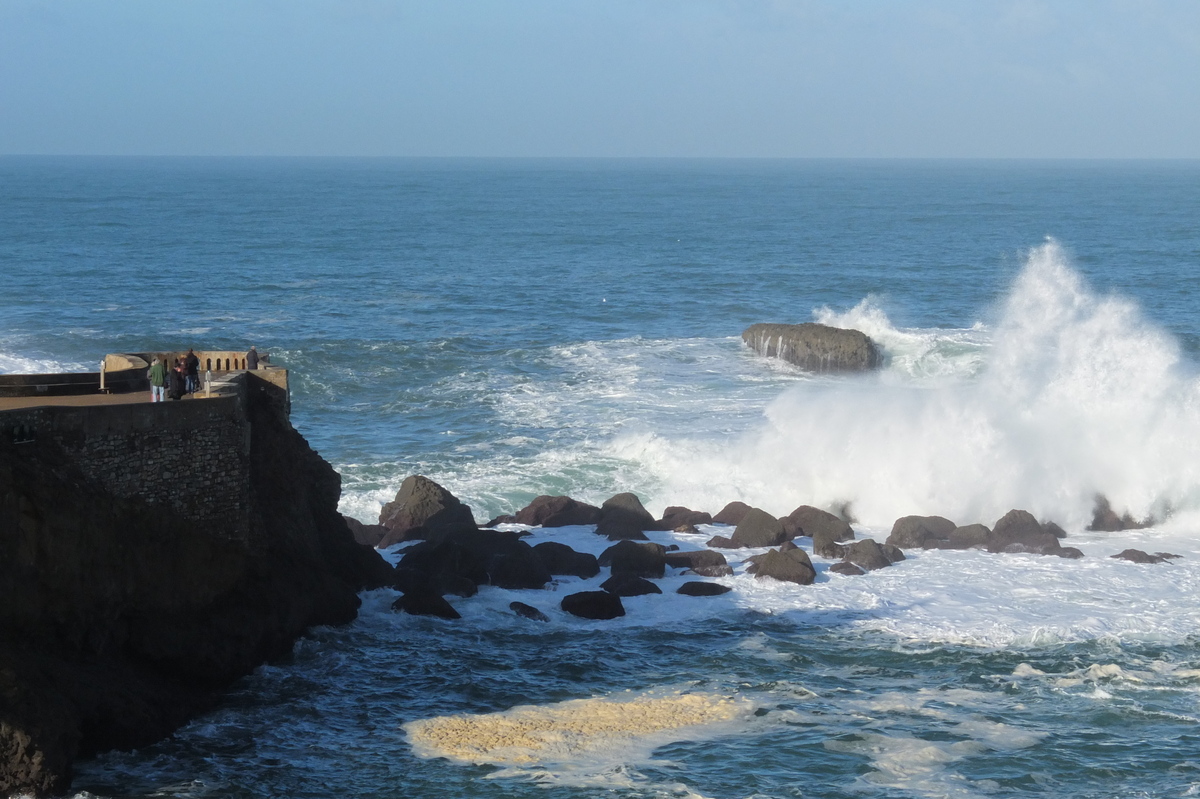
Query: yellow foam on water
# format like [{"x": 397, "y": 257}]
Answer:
[{"x": 532, "y": 734}]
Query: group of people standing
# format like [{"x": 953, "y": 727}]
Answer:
[{"x": 183, "y": 376}]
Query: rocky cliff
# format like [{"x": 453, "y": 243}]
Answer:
[{"x": 120, "y": 618}]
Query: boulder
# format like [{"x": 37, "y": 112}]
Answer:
[
  {"x": 792, "y": 566},
  {"x": 423, "y": 603},
  {"x": 428, "y": 560},
  {"x": 366, "y": 534},
  {"x": 701, "y": 561},
  {"x": 1019, "y": 531},
  {"x": 921, "y": 532},
  {"x": 1105, "y": 519},
  {"x": 624, "y": 584},
  {"x": 423, "y": 509},
  {"x": 845, "y": 567},
  {"x": 593, "y": 605},
  {"x": 720, "y": 542},
  {"x": 1138, "y": 556},
  {"x": 971, "y": 536},
  {"x": 676, "y": 516},
  {"x": 867, "y": 554},
  {"x": 630, "y": 557},
  {"x": 894, "y": 553},
  {"x": 442, "y": 583},
  {"x": 1068, "y": 552},
  {"x": 519, "y": 567},
  {"x": 504, "y": 518},
  {"x": 527, "y": 611},
  {"x": 759, "y": 529},
  {"x": 546, "y": 511},
  {"x": 559, "y": 558},
  {"x": 700, "y": 588},
  {"x": 823, "y": 527},
  {"x": 623, "y": 518},
  {"x": 686, "y": 528},
  {"x": 731, "y": 514},
  {"x": 814, "y": 347}
]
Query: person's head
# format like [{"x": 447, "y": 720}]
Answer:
[
  {"x": 154, "y": 361},
  {"x": 252, "y": 347},
  {"x": 190, "y": 351}
]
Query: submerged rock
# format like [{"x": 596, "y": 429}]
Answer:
[
  {"x": 527, "y": 611},
  {"x": 845, "y": 567},
  {"x": 624, "y": 584},
  {"x": 426, "y": 604},
  {"x": 1105, "y": 519},
  {"x": 814, "y": 347},
  {"x": 599, "y": 605},
  {"x": 867, "y": 554},
  {"x": 701, "y": 588},
  {"x": 1138, "y": 556}
]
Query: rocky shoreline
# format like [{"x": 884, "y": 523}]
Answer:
[{"x": 454, "y": 556}]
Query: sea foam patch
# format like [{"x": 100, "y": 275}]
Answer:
[{"x": 584, "y": 735}]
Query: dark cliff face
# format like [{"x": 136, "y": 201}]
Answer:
[{"x": 120, "y": 620}]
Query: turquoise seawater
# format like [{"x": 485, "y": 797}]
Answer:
[{"x": 514, "y": 328}]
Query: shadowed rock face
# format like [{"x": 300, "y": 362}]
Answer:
[
  {"x": 119, "y": 621},
  {"x": 815, "y": 348}
]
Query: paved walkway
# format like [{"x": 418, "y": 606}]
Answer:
[{"x": 12, "y": 403}]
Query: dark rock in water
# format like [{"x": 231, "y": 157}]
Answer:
[
  {"x": 624, "y": 584},
  {"x": 685, "y": 528},
  {"x": 506, "y": 518},
  {"x": 825, "y": 529},
  {"x": 699, "y": 588},
  {"x": 366, "y": 534},
  {"x": 1068, "y": 552},
  {"x": 731, "y": 514},
  {"x": 759, "y": 529},
  {"x": 630, "y": 557},
  {"x": 676, "y": 516},
  {"x": 1138, "y": 556},
  {"x": 814, "y": 347},
  {"x": 701, "y": 561},
  {"x": 720, "y": 542},
  {"x": 1019, "y": 531},
  {"x": 971, "y": 536},
  {"x": 867, "y": 554},
  {"x": 561, "y": 559},
  {"x": 546, "y": 511},
  {"x": 845, "y": 567},
  {"x": 442, "y": 583},
  {"x": 792, "y": 566},
  {"x": 1054, "y": 530},
  {"x": 426, "y": 604},
  {"x": 622, "y": 517},
  {"x": 1105, "y": 519},
  {"x": 894, "y": 553},
  {"x": 527, "y": 611},
  {"x": 424, "y": 509},
  {"x": 519, "y": 568},
  {"x": 921, "y": 532},
  {"x": 599, "y": 605}
]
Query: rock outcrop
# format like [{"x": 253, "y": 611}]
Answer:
[
  {"x": 423, "y": 509},
  {"x": 789, "y": 564},
  {"x": 825, "y": 529},
  {"x": 759, "y": 529},
  {"x": 814, "y": 347},
  {"x": 547, "y": 511},
  {"x": 120, "y": 621},
  {"x": 622, "y": 518},
  {"x": 921, "y": 532}
]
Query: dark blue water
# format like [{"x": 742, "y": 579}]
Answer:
[{"x": 513, "y": 328}]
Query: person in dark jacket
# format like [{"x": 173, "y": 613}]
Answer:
[
  {"x": 191, "y": 370},
  {"x": 177, "y": 386},
  {"x": 252, "y": 358}
]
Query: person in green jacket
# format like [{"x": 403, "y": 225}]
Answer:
[{"x": 158, "y": 381}]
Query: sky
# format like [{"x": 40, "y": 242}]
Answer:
[{"x": 602, "y": 78}]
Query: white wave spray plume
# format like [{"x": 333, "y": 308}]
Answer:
[{"x": 1077, "y": 395}]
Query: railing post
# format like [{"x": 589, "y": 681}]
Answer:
[
  {"x": 102, "y": 364},
  {"x": 208, "y": 382}
]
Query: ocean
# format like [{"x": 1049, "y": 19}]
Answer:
[{"x": 511, "y": 328}]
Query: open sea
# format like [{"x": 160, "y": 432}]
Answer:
[{"x": 512, "y": 328}]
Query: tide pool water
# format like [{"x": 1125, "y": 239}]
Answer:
[{"x": 516, "y": 328}]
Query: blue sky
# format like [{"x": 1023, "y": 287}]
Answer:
[{"x": 728, "y": 78}]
